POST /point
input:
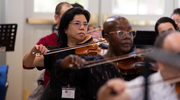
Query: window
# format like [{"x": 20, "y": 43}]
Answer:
[
  {"x": 138, "y": 7},
  {"x": 142, "y": 12},
  {"x": 48, "y": 6},
  {"x": 138, "y": 12}
]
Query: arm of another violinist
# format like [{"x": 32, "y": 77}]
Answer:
[
  {"x": 114, "y": 89},
  {"x": 31, "y": 60}
]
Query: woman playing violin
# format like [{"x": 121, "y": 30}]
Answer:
[
  {"x": 163, "y": 85},
  {"x": 72, "y": 30},
  {"x": 119, "y": 34}
]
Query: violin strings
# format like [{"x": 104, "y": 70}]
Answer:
[
  {"x": 109, "y": 60},
  {"x": 69, "y": 48}
]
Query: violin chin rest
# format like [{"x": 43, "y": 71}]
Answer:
[
  {"x": 141, "y": 64},
  {"x": 104, "y": 46}
]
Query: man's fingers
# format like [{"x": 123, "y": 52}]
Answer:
[{"x": 76, "y": 61}]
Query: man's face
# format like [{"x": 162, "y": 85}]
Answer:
[
  {"x": 120, "y": 36},
  {"x": 165, "y": 28}
]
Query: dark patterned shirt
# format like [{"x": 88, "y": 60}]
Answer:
[{"x": 87, "y": 81}]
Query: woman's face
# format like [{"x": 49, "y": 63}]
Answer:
[
  {"x": 77, "y": 28},
  {"x": 165, "y": 28},
  {"x": 176, "y": 18}
]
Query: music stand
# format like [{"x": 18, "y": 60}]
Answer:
[{"x": 7, "y": 37}]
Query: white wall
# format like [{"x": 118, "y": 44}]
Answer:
[
  {"x": 15, "y": 14},
  {"x": 2, "y": 11},
  {"x": 21, "y": 80},
  {"x": 2, "y": 20}
]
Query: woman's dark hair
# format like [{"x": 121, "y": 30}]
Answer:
[
  {"x": 66, "y": 19},
  {"x": 164, "y": 20},
  {"x": 77, "y": 5},
  {"x": 176, "y": 11}
]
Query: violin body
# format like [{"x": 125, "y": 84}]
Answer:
[
  {"x": 129, "y": 66},
  {"x": 135, "y": 65},
  {"x": 94, "y": 48}
]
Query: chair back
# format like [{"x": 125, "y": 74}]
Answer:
[{"x": 3, "y": 81}]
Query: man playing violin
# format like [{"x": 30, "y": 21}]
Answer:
[
  {"x": 163, "y": 88},
  {"x": 119, "y": 34}
]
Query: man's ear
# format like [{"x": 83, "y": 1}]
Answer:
[
  {"x": 57, "y": 18},
  {"x": 106, "y": 36}
]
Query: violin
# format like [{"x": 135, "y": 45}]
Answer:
[
  {"x": 130, "y": 64},
  {"x": 90, "y": 50},
  {"x": 134, "y": 66},
  {"x": 178, "y": 87},
  {"x": 98, "y": 46},
  {"x": 117, "y": 59},
  {"x": 93, "y": 47}
]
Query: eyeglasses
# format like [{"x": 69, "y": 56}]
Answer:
[
  {"x": 78, "y": 24},
  {"x": 167, "y": 31},
  {"x": 121, "y": 33}
]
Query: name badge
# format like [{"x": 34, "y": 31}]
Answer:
[{"x": 68, "y": 92}]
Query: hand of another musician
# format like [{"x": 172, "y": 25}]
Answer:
[
  {"x": 113, "y": 90},
  {"x": 72, "y": 61}
]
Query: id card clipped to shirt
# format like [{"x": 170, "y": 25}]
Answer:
[{"x": 68, "y": 92}]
